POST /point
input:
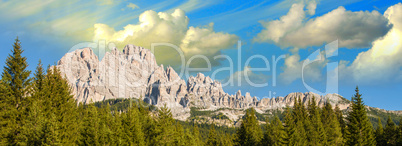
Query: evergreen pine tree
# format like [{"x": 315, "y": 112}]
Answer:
[
  {"x": 33, "y": 127},
  {"x": 331, "y": 125},
  {"x": 360, "y": 130},
  {"x": 390, "y": 132},
  {"x": 379, "y": 134},
  {"x": 250, "y": 132},
  {"x": 290, "y": 127},
  {"x": 341, "y": 121},
  {"x": 118, "y": 133},
  {"x": 315, "y": 131},
  {"x": 196, "y": 136},
  {"x": 212, "y": 137},
  {"x": 50, "y": 131},
  {"x": 105, "y": 125},
  {"x": 33, "y": 123},
  {"x": 300, "y": 137},
  {"x": 15, "y": 82},
  {"x": 300, "y": 121},
  {"x": 58, "y": 99},
  {"x": 133, "y": 128},
  {"x": 165, "y": 128},
  {"x": 38, "y": 82},
  {"x": 275, "y": 134},
  {"x": 147, "y": 122},
  {"x": 90, "y": 130}
]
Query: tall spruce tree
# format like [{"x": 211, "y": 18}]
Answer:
[
  {"x": 58, "y": 99},
  {"x": 33, "y": 127},
  {"x": 132, "y": 126},
  {"x": 250, "y": 132},
  {"x": 147, "y": 122},
  {"x": 105, "y": 125},
  {"x": 290, "y": 127},
  {"x": 165, "y": 129},
  {"x": 295, "y": 124},
  {"x": 315, "y": 131},
  {"x": 118, "y": 132},
  {"x": 90, "y": 130},
  {"x": 390, "y": 132},
  {"x": 331, "y": 125},
  {"x": 275, "y": 134},
  {"x": 15, "y": 81},
  {"x": 301, "y": 121},
  {"x": 341, "y": 121},
  {"x": 360, "y": 130},
  {"x": 379, "y": 134},
  {"x": 38, "y": 82}
]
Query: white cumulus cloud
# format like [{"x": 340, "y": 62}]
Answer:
[
  {"x": 352, "y": 29},
  {"x": 171, "y": 28},
  {"x": 294, "y": 70},
  {"x": 383, "y": 61}
]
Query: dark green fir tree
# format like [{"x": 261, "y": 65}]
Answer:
[{"x": 359, "y": 129}]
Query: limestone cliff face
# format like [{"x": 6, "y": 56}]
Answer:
[{"x": 134, "y": 73}]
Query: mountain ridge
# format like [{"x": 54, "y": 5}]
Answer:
[{"x": 134, "y": 72}]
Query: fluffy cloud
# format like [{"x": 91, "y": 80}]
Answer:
[
  {"x": 382, "y": 62},
  {"x": 294, "y": 70},
  {"x": 171, "y": 28},
  {"x": 352, "y": 29},
  {"x": 247, "y": 77}
]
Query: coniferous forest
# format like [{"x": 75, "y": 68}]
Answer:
[{"x": 39, "y": 109}]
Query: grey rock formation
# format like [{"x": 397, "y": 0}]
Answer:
[{"x": 134, "y": 73}]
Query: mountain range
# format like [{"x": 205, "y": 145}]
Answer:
[{"x": 134, "y": 73}]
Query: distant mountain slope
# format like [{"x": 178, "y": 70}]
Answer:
[{"x": 134, "y": 73}]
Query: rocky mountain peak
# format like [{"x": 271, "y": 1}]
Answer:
[{"x": 134, "y": 73}]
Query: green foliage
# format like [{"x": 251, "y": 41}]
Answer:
[
  {"x": 374, "y": 114},
  {"x": 275, "y": 134},
  {"x": 296, "y": 124},
  {"x": 212, "y": 137},
  {"x": 359, "y": 128},
  {"x": 195, "y": 112},
  {"x": 58, "y": 100},
  {"x": 341, "y": 121},
  {"x": 250, "y": 132},
  {"x": 15, "y": 86},
  {"x": 316, "y": 134},
  {"x": 90, "y": 128},
  {"x": 123, "y": 104},
  {"x": 220, "y": 116},
  {"x": 332, "y": 126},
  {"x": 379, "y": 134},
  {"x": 390, "y": 132}
]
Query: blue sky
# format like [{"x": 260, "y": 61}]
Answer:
[{"x": 368, "y": 34}]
